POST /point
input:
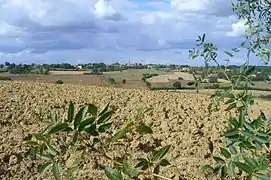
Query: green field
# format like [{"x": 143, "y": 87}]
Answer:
[{"x": 132, "y": 77}]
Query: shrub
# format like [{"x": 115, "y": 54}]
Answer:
[
  {"x": 143, "y": 79},
  {"x": 59, "y": 82},
  {"x": 213, "y": 79},
  {"x": 124, "y": 81},
  {"x": 245, "y": 149},
  {"x": 180, "y": 78},
  {"x": 88, "y": 132},
  {"x": 177, "y": 85},
  {"x": 148, "y": 84},
  {"x": 190, "y": 83},
  {"x": 5, "y": 78},
  {"x": 112, "y": 80}
]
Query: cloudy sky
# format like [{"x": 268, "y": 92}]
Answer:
[{"x": 85, "y": 31}]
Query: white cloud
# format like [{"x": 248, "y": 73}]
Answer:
[
  {"x": 190, "y": 5},
  {"x": 109, "y": 29},
  {"x": 238, "y": 29},
  {"x": 103, "y": 9},
  {"x": 215, "y": 7}
]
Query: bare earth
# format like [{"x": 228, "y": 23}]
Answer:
[
  {"x": 180, "y": 119},
  {"x": 66, "y": 78},
  {"x": 164, "y": 78}
]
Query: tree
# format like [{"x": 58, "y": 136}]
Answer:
[
  {"x": 124, "y": 81},
  {"x": 112, "y": 80},
  {"x": 7, "y": 64},
  {"x": 59, "y": 81},
  {"x": 245, "y": 152},
  {"x": 177, "y": 85},
  {"x": 213, "y": 79}
]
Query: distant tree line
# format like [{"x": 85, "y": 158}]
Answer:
[{"x": 262, "y": 73}]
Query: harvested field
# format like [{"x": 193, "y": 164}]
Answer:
[
  {"x": 180, "y": 119},
  {"x": 70, "y": 79},
  {"x": 164, "y": 78},
  {"x": 67, "y": 72}
]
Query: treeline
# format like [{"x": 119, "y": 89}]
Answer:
[{"x": 262, "y": 73}]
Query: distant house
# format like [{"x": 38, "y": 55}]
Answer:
[{"x": 79, "y": 67}]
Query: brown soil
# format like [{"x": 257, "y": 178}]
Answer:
[
  {"x": 180, "y": 119},
  {"x": 70, "y": 79}
]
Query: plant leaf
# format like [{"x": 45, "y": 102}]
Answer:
[
  {"x": 248, "y": 126},
  {"x": 225, "y": 153},
  {"x": 56, "y": 170},
  {"x": 104, "y": 127},
  {"x": 92, "y": 109},
  {"x": 104, "y": 109},
  {"x": 143, "y": 129},
  {"x": 262, "y": 176},
  {"x": 45, "y": 157},
  {"x": 58, "y": 128},
  {"x": 218, "y": 159},
  {"x": 105, "y": 117},
  {"x": 143, "y": 163},
  {"x": 233, "y": 150},
  {"x": 262, "y": 140},
  {"x": 75, "y": 137},
  {"x": 51, "y": 149},
  {"x": 92, "y": 130},
  {"x": 85, "y": 123},
  {"x": 250, "y": 70},
  {"x": 251, "y": 162},
  {"x": 70, "y": 112},
  {"x": 228, "y": 53},
  {"x": 112, "y": 174},
  {"x": 120, "y": 134},
  {"x": 231, "y": 106},
  {"x": 32, "y": 143},
  {"x": 39, "y": 137},
  {"x": 160, "y": 153},
  {"x": 211, "y": 146},
  {"x": 133, "y": 173},
  {"x": 45, "y": 167},
  {"x": 224, "y": 171},
  {"x": 231, "y": 169},
  {"x": 80, "y": 116},
  {"x": 243, "y": 167},
  {"x": 231, "y": 132}
]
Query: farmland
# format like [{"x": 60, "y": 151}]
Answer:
[
  {"x": 178, "y": 119},
  {"x": 162, "y": 79}
]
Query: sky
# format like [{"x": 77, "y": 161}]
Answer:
[{"x": 88, "y": 31}]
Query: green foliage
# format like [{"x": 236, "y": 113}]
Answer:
[
  {"x": 5, "y": 78},
  {"x": 245, "y": 152},
  {"x": 123, "y": 81},
  {"x": 112, "y": 80},
  {"x": 177, "y": 85},
  {"x": 59, "y": 81},
  {"x": 89, "y": 132},
  {"x": 148, "y": 84}
]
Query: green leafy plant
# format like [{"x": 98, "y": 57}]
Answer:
[
  {"x": 89, "y": 133},
  {"x": 123, "y": 81},
  {"x": 177, "y": 85},
  {"x": 59, "y": 82},
  {"x": 5, "y": 78},
  {"x": 112, "y": 80},
  {"x": 245, "y": 152}
]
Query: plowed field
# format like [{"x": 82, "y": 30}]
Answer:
[{"x": 180, "y": 119}]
